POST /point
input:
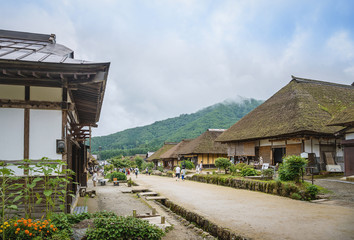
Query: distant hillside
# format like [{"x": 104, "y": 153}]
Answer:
[{"x": 151, "y": 137}]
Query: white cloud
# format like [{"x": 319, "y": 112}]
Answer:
[{"x": 174, "y": 57}]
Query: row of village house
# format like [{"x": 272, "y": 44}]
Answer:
[
  {"x": 311, "y": 118},
  {"x": 49, "y": 102}
]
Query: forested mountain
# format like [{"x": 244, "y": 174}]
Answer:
[{"x": 151, "y": 137}]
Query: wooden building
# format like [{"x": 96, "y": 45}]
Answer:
[
  {"x": 156, "y": 156},
  {"x": 172, "y": 156},
  {"x": 204, "y": 149},
  {"x": 293, "y": 121},
  {"x": 48, "y": 102},
  {"x": 345, "y": 119}
]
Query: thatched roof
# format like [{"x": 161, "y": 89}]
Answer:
[
  {"x": 175, "y": 151},
  {"x": 344, "y": 118},
  {"x": 304, "y": 107},
  {"x": 167, "y": 146},
  {"x": 205, "y": 143}
]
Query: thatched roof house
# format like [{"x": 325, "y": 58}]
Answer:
[
  {"x": 156, "y": 157},
  {"x": 293, "y": 120},
  {"x": 170, "y": 157},
  {"x": 204, "y": 148}
]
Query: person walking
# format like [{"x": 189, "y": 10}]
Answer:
[
  {"x": 94, "y": 178},
  {"x": 136, "y": 172},
  {"x": 178, "y": 172},
  {"x": 184, "y": 171},
  {"x": 201, "y": 166}
]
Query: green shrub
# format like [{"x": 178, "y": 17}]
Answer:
[
  {"x": 239, "y": 166},
  {"x": 188, "y": 164},
  {"x": 268, "y": 172},
  {"x": 296, "y": 196},
  {"x": 62, "y": 222},
  {"x": 248, "y": 171},
  {"x": 170, "y": 174},
  {"x": 118, "y": 175},
  {"x": 160, "y": 168},
  {"x": 113, "y": 228},
  {"x": 312, "y": 191},
  {"x": 233, "y": 169},
  {"x": 223, "y": 163},
  {"x": 291, "y": 168}
]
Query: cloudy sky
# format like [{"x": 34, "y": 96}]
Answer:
[{"x": 170, "y": 57}]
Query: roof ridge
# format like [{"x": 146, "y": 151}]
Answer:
[{"x": 314, "y": 81}]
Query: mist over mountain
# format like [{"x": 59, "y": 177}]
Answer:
[{"x": 151, "y": 137}]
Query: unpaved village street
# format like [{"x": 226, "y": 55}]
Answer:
[{"x": 256, "y": 215}]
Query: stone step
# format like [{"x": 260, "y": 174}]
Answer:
[
  {"x": 156, "y": 198},
  {"x": 147, "y": 194},
  {"x": 135, "y": 190},
  {"x": 126, "y": 191},
  {"x": 157, "y": 222}
]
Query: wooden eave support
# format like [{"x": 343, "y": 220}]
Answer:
[{"x": 35, "y": 104}]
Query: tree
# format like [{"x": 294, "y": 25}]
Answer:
[
  {"x": 119, "y": 162},
  {"x": 291, "y": 168},
  {"x": 223, "y": 163},
  {"x": 188, "y": 164},
  {"x": 138, "y": 161}
]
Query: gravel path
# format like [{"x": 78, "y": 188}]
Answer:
[{"x": 257, "y": 215}]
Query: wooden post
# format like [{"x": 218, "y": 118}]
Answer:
[
  {"x": 162, "y": 219},
  {"x": 134, "y": 213},
  {"x": 153, "y": 211}
]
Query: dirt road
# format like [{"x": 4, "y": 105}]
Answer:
[{"x": 257, "y": 215}]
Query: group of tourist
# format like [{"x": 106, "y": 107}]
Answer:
[{"x": 181, "y": 173}]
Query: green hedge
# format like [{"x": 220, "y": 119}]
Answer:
[
  {"x": 285, "y": 189},
  {"x": 118, "y": 175}
]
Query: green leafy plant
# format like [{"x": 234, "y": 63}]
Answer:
[
  {"x": 223, "y": 163},
  {"x": 113, "y": 228},
  {"x": 268, "y": 172},
  {"x": 139, "y": 162},
  {"x": 248, "y": 171},
  {"x": 291, "y": 169},
  {"x": 312, "y": 190},
  {"x": 160, "y": 168},
  {"x": 119, "y": 175},
  {"x": 10, "y": 193},
  {"x": 188, "y": 164},
  {"x": 239, "y": 166}
]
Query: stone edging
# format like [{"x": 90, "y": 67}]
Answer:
[{"x": 202, "y": 222}]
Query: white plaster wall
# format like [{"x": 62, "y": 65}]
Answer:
[
  {"x": 46, "y": 94},
  {"x": 11, "y": 133},
  {"x": 279, "y": 143},
  {"x": 45, "y": 129},
  {"x": 263, "y": 143},
  {"x": 12, "y": 92},
  {"x": 315, "y": 147},
  {"x": 349, "y": 136},
  {"x": 17, "y": 171}
]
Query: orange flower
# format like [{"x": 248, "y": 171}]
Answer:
[
  {"x": 29, "y": 220},
  {"x": 40, "y": 227},
  {"x": 16, "y": 232},
  {"x": 36, "y": 229},
  {"x": 26, "y": 231},
  {"x": 47, "y": 231},
  {"x": 51, "y": 226},
  {"x": 30, "y": 234},
  {"x": 39, "y": 230},
  {"x": 29, "y": 225},
  {"x": 18, "y": 229},
  {"x": 15, "y": 224},
  {"x": 54, "y": 229},
  {"x": 19, "y": 221}
]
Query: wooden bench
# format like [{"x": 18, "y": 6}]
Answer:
[{"x": 80, "y": 209}]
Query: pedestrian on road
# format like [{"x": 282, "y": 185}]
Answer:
[
  {"x": 94, "y": 178},
  {"x": 136, "y": 172},
  {"x": 201, "y": 166},
  {"x": 178, "y": 172},
  {"x": 184, "y": 171}
]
